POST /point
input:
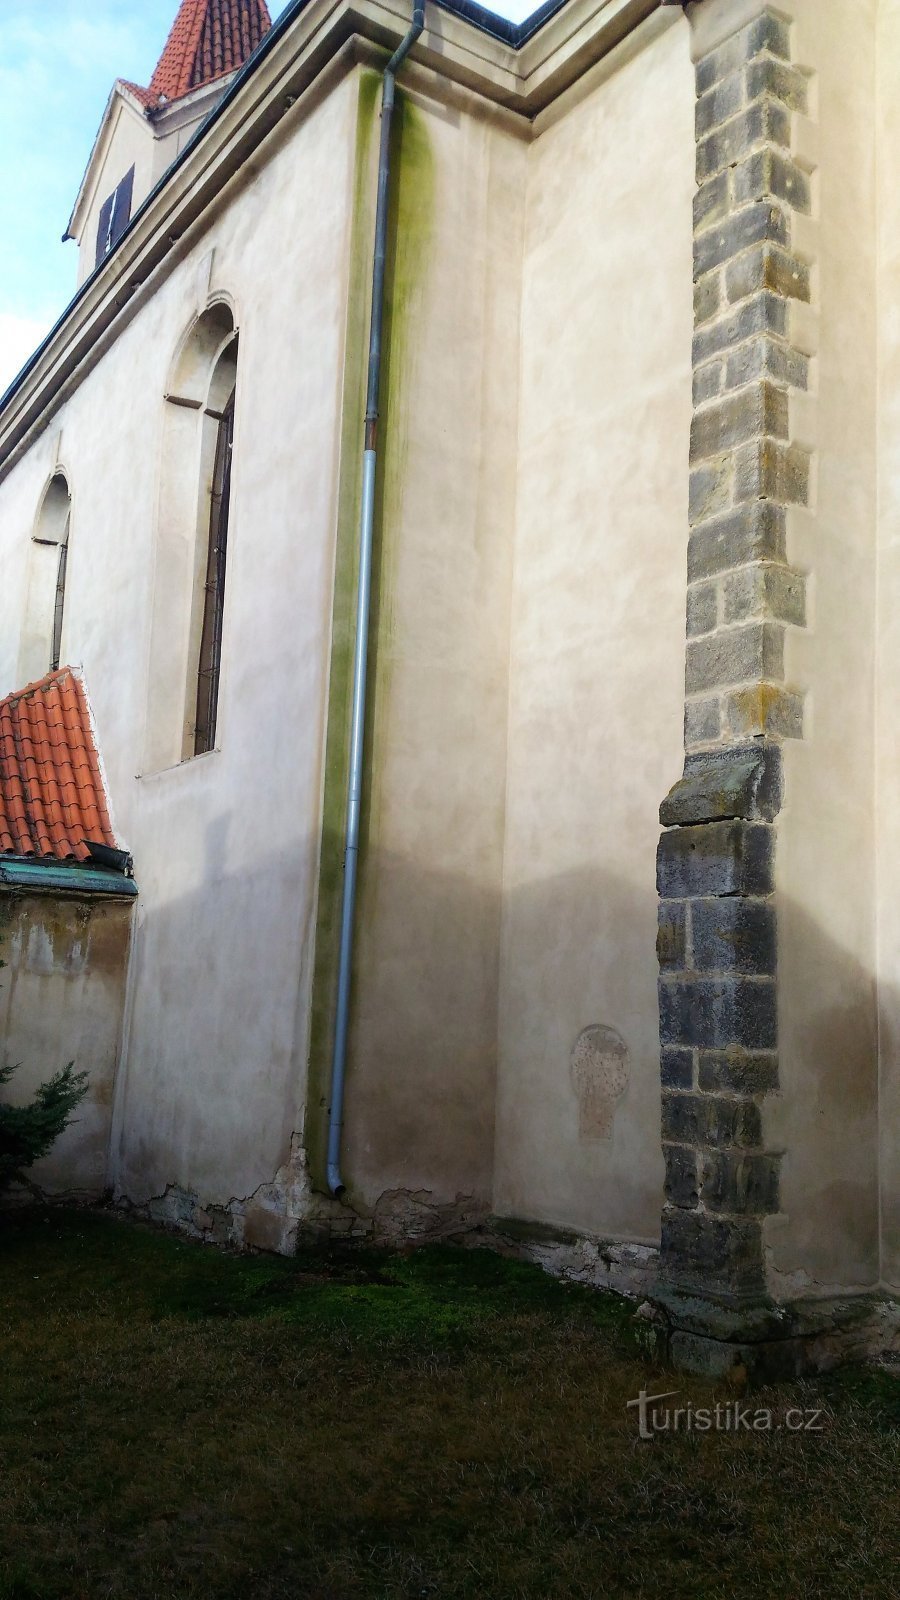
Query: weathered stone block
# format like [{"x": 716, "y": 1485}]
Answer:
[
  {"x": 720, "y": 103},
  {"x": 716, "y": 1253},
  {"x": 764, "y": 709},
  {"x": 767, "y": 76},
  {"x": 768, "y": 313},
  {"x": 768, "y": 469},
  {"x": 712, "y": 1013},
  {"x": 671, "y": 937},
  {"x": 711, "y": 201},
  {"x": 702, "y": 608},
  {"x": 753, "y": 532},
  {"x": 767, "y": 267},
  {"x": 682, "y": 1182},
  {"x": 735, "y": 935},
  {"x": 770, "y": 173},
  {"x": 711, "y": 1121},
  {"x": 708, "y": 381},
  {"x": 763, "y": 357},
  {"x": 739, "y": 1183},
  {"x": 710, "y": 488},
  {"x": 765, "y": 590},
  {"x": 765, "y": 33},
  {"x": 707, "y": 298},
  {"x": 766, "y": 122},
  {"x": 761, "y": 408},
  {"x": 702, "y": 721},
  {"x": 763, "y": 222},
  {"x": 741, "y": 782},
  {"x": 715, "y": 858},
  {"x": 735, "y": 655},
  {"x": 676, "y": 1068},
  {"x": 737, "y": 1071}
]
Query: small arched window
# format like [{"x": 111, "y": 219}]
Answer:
[{"x": 42, "y": 634}]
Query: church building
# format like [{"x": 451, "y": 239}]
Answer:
[{"x": 450, "y": 651}]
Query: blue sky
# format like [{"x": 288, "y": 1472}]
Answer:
[{"x": 60, "y": 59}]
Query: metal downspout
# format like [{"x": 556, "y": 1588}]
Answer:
[{"x": 363, "y": 597}]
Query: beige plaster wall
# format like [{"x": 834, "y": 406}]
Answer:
[
  {"x": 226, "y": 846},
  {"x": 421, "y": 1082},
  {"x": 597, "y": 649},
  {"x": 888, "y": 623},
  {"x": 62, "y": 987}
]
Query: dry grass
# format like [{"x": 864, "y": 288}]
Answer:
[{"x": 180, "y": 1423}]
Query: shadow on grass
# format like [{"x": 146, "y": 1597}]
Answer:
[
  {"x": 176, "y": 1422},
  {"x": 436, "y": 1293}
]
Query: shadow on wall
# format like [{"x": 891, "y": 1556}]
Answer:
[
  {"x": 825, "y": 1116},
  {"x": 211, "y": 1088},
  {"x": 214, "y": 1085},
  {"x": 62, "y": 988},
  {"x": 578, "y": 1119}
]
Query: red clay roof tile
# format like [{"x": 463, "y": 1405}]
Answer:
[
  {"x": 52, "y": 797},
  {"x": 208, "y": 38}
]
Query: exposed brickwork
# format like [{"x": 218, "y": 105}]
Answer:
[{"x": 717, "y": 941}]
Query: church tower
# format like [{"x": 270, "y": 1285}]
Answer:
[{"x": 145, "y": 129}]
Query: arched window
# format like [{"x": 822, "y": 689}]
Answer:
[
  {"x": 59, "y": 602},
  {"x": 188, "y": 626},
  {"x": 214, "y": 590},
  {"x": 42, "y": 633}
]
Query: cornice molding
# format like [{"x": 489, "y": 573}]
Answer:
[{"x": 313, "y": 45}]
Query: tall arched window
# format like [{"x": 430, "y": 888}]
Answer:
[
  {"x": 214, "y": 590},
  {"x": 42, "y": 632},
  {"x": 59, "y": 602},
  {"x": 189, "y": 619}
]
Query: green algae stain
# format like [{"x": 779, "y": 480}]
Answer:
[
  {"x": 410, "y": 222},
  {"x": 409, "y": 229}
]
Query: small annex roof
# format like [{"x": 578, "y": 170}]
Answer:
[{"x": 53, "y": 802}]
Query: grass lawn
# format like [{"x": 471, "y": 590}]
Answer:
[{"x": 176, "y": 1422}]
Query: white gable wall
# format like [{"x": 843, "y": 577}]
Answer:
[{"x": 127, "y": 141}]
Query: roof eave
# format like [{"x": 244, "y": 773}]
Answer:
[
  {"x": 307, "y": 39},
  {"x": 24, "y": 873}
]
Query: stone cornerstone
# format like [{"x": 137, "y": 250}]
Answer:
[{"x": 717, "y": 868}]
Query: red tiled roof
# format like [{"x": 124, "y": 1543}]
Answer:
[
  {"x": 52, "y": 796},
  {"x": 208, "y": 38},
  {"x": 146, "y": 98}
]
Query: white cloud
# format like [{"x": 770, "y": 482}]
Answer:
[{"x": 19, "y": 338}]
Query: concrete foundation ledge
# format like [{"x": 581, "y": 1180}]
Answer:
[
  {"x": 286, "y": 1215},
  {"x": 628, "y": 1269},
  {"x": 767, "y": 1343}
]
